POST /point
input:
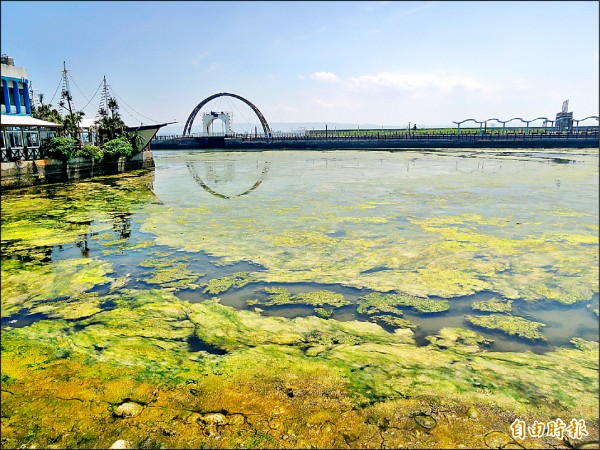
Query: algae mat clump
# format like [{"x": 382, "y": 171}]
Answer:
[
  {"x": 517, "y": 326},
  {"x": 305, "y": 382},
  {"x": 109, "y": 354}
]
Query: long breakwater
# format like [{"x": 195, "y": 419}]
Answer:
[{"x": 334, "y": 141}]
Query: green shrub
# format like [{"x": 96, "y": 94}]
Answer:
[
  {"x": 118, "y": 147},
  {"x": 59, "y": 147},
  {"x": 90, "y": 151}
]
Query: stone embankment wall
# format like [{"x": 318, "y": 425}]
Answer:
[
  {"x": 43, "y": 171},
  {"x": 362, "y": 143}
]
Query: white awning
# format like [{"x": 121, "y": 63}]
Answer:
[
  {"x": 88, "y": 123},
  {"x": 9, "y": 120}
]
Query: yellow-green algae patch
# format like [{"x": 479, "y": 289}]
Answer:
[
  {"x": 282, "y": 296},
  {"x": 392, "y": 321},
  {"x": 283, "y": 383},
  {"x": 460, "y": 340},
  {"x": 488, "y": 234},
  {"x": 376, "y": 302},
  {"x": 25, "y": 284},
  {"x": 509, "y": 324},
  {"x": 31, "y": 220},
  {"x": 309, "y": 382},
  {"x": 493, "y": 305},
  {"x": 235, "y": 280}
]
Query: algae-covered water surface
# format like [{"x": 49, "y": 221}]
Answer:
[{"x": 414, "y": 299}]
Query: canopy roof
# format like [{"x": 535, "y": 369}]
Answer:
[
  {"x": 87, "y": 123},
  {"x": 9, "y": 120}
]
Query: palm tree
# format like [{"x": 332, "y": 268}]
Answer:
[
  {"x": 45, "y": 112},
  {"x": 111, "y": 125}
]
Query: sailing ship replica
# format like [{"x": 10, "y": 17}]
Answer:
[{"x": 107, "y": 118}]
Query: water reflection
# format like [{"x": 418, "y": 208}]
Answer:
[
  {"x": 121, "y": 224},
  {"x": 222, "y": 174}
]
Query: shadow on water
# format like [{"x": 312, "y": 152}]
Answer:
[
  {"x": 22, "y": 319},
  {"x": 195, "y": 344}
]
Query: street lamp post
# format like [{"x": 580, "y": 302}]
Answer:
[
  {"x": 581, "y": 120},
  {"x": 467, "y": 120},
  {"x": 499, "y": 121},
  {"x": 532, "y": 120}
]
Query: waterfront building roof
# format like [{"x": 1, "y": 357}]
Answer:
[{"x": 10, "y": 120}]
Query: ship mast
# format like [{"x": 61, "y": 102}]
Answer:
[
  {"x": 104, "y": 99},
  {"x": 66, "y": 93}
]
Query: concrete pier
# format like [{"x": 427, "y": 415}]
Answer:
[{"x": 43, "y": 171}]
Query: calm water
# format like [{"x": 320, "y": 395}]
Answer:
[{"x": 463, "y": 226}]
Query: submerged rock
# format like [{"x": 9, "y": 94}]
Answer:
[
  {"x": 425, "y": 420},
  {"x": 122, "y": 444},
  {"x": 128, "y": 409},
  {"x": 497, "y": 439},
  {"x": 472, "y": 413},
  {"x": 213, "y": 419}
]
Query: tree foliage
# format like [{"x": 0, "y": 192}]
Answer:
[
  {"x": 47, "y": 113},
  {"x": 117, "y": 147},
  {"x": 90, "y": 151},
  {"x": 111, "y": 125},
  {"x": 72, "y": 118},
  {"x": 60, "y": 147}
]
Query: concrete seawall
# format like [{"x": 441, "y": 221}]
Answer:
[
  {"x": 43, "y": 171},
  {"x": 524, "y": 141}
]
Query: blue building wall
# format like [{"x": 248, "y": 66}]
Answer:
[{"x": 15, "y": 96}]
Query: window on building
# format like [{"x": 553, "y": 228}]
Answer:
[
  {"x": 2, "y": 139},
  {"x": 22, "y": 96},
  {"x": 31, "y": 138},
  {"x": 2, "y": 93},
  {"x": 11, "y": 95},
  {"x": 14, "y": 137}
]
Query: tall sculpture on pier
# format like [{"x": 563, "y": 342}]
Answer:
[
  {"x": 564, "y": 119},
  {"x": 209, "y": 118}
]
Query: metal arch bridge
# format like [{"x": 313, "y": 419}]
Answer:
[{"x": 187, "y": 129}]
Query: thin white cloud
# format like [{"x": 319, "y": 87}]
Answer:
[
  {"x": 199, "y": 58},
  {"x": 420, "y": 83},
  {"x": 214, "y": 67},
  {"x": 324, "y": 76},
  {"x": 414, "y": 82}
]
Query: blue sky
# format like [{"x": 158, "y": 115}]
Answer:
[{"x": 384, "y": 63}]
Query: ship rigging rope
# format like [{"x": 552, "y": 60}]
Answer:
[
  {"x": 89, "y": 101},
  {"x": 57, "y": 87},
  {"x": 117, "y": 95},
  {"x": 73, "y": 80}
]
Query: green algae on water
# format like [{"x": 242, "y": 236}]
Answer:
[
  {"x": 281, "y": 296},
  {"x": 236, "y": 281},
  {"x": 512, "y": 325},
  {"x": 393, "y": 321},
  {"x": 377, "y": 302},
  {"x": 493, "y": 305},
  {"x": 459, "y": 339}
]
